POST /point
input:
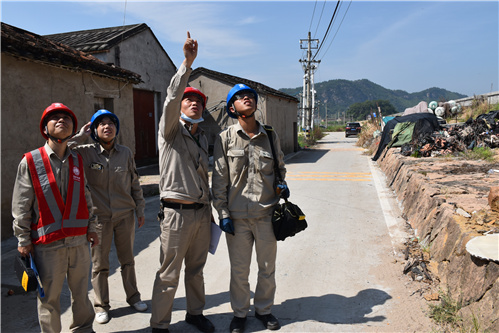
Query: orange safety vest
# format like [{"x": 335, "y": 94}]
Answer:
[{"x": 57, "y": 219}]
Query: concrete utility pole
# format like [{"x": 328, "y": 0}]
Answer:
[
  {"x": 308, "y": 101},
  {"x": 325, "y": 102}
]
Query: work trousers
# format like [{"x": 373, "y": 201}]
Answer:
[
  {"x": 185, "y": 235},
  {"x": 123, "y": 231},
  {"x": 246, "y": 233},
  {"x": 54, "y": 265}
]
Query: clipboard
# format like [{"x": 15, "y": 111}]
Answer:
[{"x": 40, "y": 285}]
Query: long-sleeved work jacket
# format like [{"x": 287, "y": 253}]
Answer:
[
  {"x": 183, "y": 158},
  {"x": 243, "y": 177},
  {"x": 113, "y": 179}
]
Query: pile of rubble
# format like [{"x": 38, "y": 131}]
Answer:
[{"x": 483, "y": 131}]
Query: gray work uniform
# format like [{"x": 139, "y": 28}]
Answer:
[
  {"x": 185, "y": 233},
  {"x": 243, "y": 189},
  {"x": 116, "y": 193},
  {"x": 68, "y": 258}
]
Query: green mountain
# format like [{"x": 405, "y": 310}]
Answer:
[{"x": 340, "y": 94}]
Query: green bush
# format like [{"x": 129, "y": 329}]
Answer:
[{"x": 305, "y": 141}]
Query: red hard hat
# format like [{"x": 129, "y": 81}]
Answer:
[
  {"x": 191, "y": 90},
  {"x": 57, "y": 107}
]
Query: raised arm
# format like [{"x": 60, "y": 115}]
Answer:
[{"x": 168, "y": 123}]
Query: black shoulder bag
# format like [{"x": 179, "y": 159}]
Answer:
[{"x": 287, "y": 218}]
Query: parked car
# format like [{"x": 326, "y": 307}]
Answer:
[{"x": 352, "y": 129}]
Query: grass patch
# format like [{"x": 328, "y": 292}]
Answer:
[
  {"x": 445, "y": 313},
  {"x": 479, "y": 153},
  {"x": 336, "y": 128},
  {"x": 478, "y": 106}
]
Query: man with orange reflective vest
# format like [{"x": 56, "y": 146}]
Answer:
[
  {"x": 116, "y": 192},
  {"x": 185, "y": 200},
  {"x": 54, "y": 220}
]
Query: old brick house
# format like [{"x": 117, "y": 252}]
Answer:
[
  {"x": 37, "y": 72},
  {"x": 136, "y": 48}
]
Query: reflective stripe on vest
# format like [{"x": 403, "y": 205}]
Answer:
[{"x": 57, "y": 219}]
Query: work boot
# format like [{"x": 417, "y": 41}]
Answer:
[
  {"x": 237, "y": 325},
  {"x": 160, "y": 330},
  {"x": 201, "y": 322},
  {"x": 269, "y": 321}
]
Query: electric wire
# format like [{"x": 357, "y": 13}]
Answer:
[
  {"x": 335, "y": 16},
  {"x": 327, "y": 30},
  {"x": 320, "y": 18},
  {"x": 312, "y": 19},
  {"x": 337, "y": 30}
]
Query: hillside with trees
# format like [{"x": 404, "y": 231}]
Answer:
[{"x": 339, "y": 95}]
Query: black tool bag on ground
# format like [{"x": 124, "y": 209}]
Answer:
[
  {"x": 25, "y": 273},
  {"x": 287, "y": 218}
]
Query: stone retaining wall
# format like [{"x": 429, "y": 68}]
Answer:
[{"x": 432, "y": 192}]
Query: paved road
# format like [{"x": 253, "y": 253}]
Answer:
[{"x": 342, "y": 274}]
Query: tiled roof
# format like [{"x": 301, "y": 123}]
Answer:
[
  {"x": 21, "y": 43},
  {"x": 98, "y": 40},
  {"x": 232, "y": 80}
]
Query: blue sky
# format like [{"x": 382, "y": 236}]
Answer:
[{"x": 403, "y": 45}]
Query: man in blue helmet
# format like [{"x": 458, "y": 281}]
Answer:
[
  {"x": 185, "y": 216},
  {"x": 117, "y": 196},
  {"x": 244, "y": 197}
]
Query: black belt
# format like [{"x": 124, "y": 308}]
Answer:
[{"x": 175, "y": 205}]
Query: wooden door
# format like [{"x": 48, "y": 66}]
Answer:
[{"x": 145, "y": 131}]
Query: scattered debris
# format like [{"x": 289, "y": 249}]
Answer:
[
  {"x": 432, "y": 297},
  {"x": 493, "y": 198},
  {"x": 462, "y": 212},
  {"x": 480, "y": 132},
  {"x": 416, "y": 265}
]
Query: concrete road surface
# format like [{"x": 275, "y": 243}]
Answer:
[{"x": 342, "y": 274}]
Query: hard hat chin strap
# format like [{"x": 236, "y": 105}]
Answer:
[
  {"x": 242, "y": 115},
  {"x": 102, "y": 141},
  {"x": 56, "y": 139}
]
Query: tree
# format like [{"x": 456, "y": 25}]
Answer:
[{"x": 360, "y": 111}]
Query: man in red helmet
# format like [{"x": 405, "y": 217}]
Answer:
[
  {"x": 185, "y": 200},
  {"x": 54, "y": 221}
]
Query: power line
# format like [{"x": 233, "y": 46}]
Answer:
[
  {"x": 312, "y": 19},
  {"x": 318, "y": 23},
  {"x": 330, "y": 43},
  {"x": 329, "y": 27}
]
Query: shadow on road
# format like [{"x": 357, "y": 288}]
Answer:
[
  {"x": 307, "y": 156},
  {"x": 333, "y": 309}
]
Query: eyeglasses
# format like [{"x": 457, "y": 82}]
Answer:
[{"x": 243, "y": 95}]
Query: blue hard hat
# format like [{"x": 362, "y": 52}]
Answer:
[
  {"x": 95, "y": 121},
  {"x": 232, "y": 93}
]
